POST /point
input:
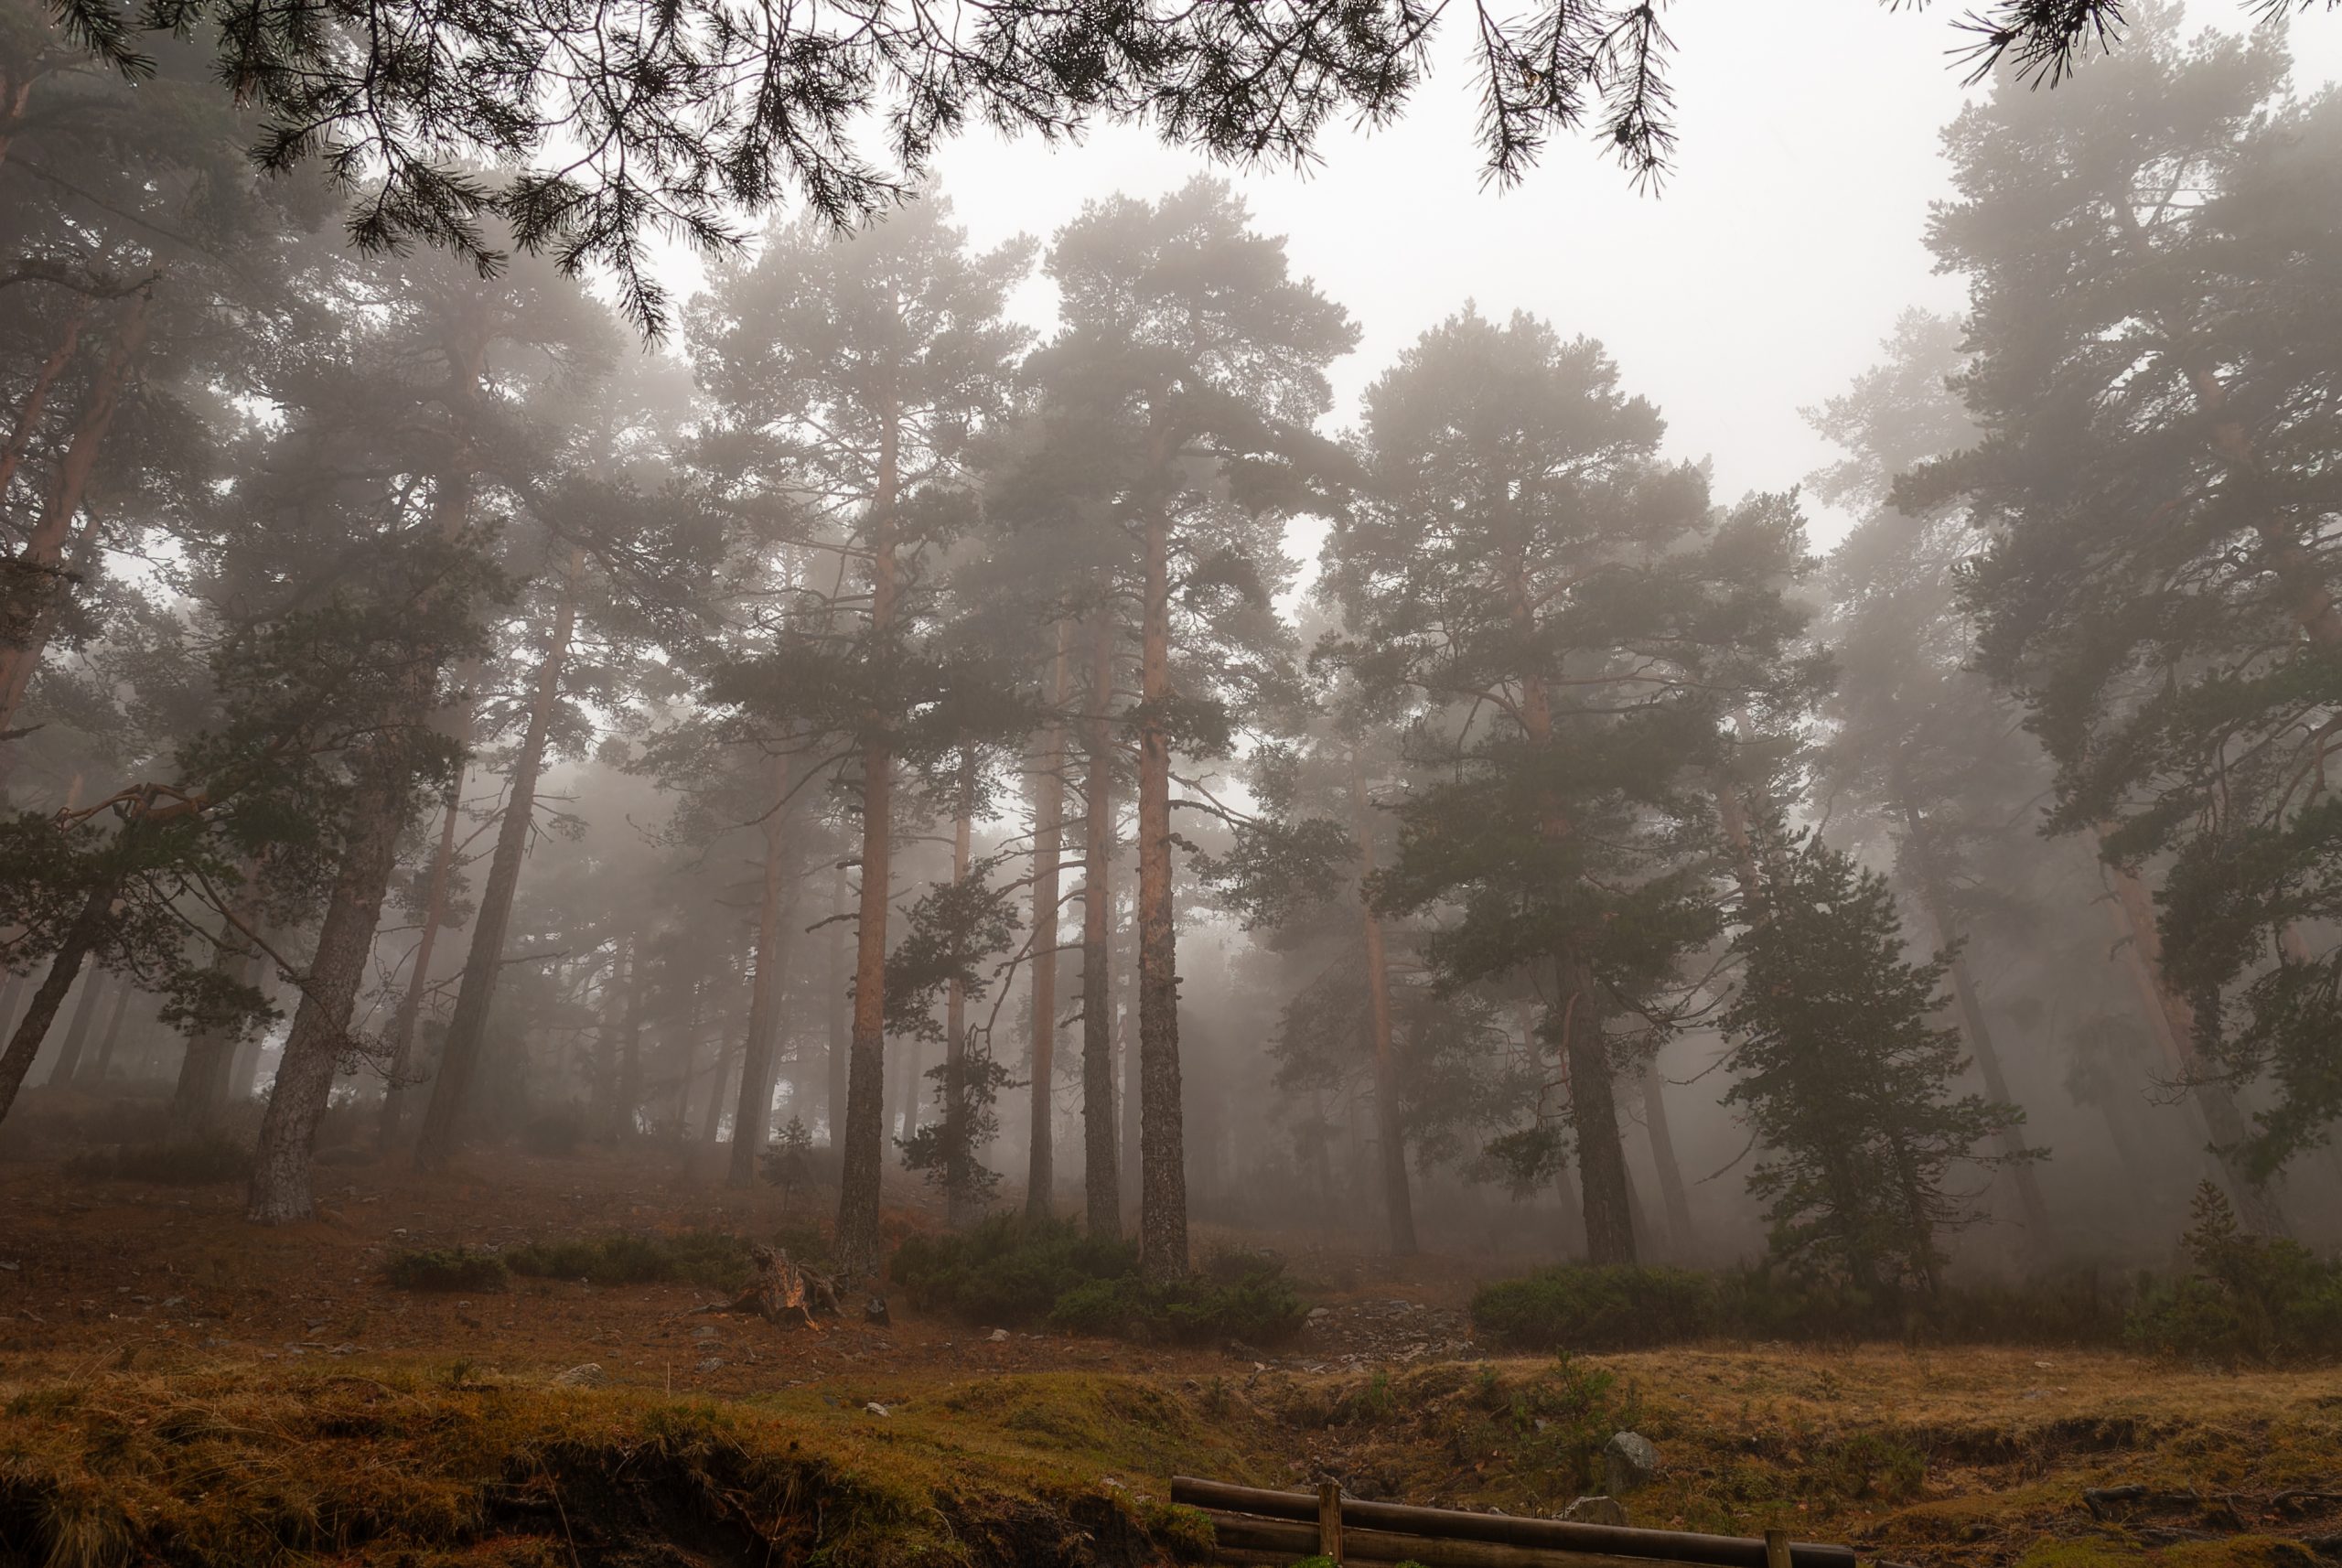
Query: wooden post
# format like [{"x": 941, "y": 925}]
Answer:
[
  {"x": 1329, "y": 1521},
  {"x": 1777, "y": 1549}
]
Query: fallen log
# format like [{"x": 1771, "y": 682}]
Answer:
[{"x": 1239, "y": 1512}]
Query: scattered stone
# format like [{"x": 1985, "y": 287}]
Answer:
[
  {"x": 1000, "y": 1337},
  {"x": 703, "y": 1333},
  {"x": 588, "y": 1376},
  {"x": 1629, "y": 1462},
  {"x": 1596, "y": 1510},
  {"x": 875, "y": 1408},
  {"x": 873, "y": 1313},
  {"x": 711, "y": 1364}
]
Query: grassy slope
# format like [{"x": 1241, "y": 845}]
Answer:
[{"x": 1967, "y": 1456}]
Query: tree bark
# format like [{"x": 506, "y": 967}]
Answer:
[
  {"x": 841, "y": 1032},
  {"x": 711, "y": 1115},
  {"x": 1594, "y": 1115},
  {"x": 401, "y": 1078},
  {"x": 467, "y": 1030},
  {"x": 1398, "y": 1200},
  {"x": 2174, "y": 1022},
  {"x": 862, "y": 1167},
  {"x": 627, "y": 1090},
  {"x": 109, "y": 1038},
  {"x": 67, "y": 1065},
  {"x": 1102, "y": 1173},
  {"x": 29, "y": 413},
  {"x": 1048, "y": 854},
  {"x": 44, "y": 548},
  {"x": 80, "y": 939},
  {"x": 1162, "y": 1177},
  {"x": 1972, "y": 1022},
  {"x": 1678, "y": 1204},
  {"x": 279, "y": 1192},
  {"x": 752, "y": 1123},
  {"x": 202, "y": 1090},
  {"x": 959, "y": 1167}
]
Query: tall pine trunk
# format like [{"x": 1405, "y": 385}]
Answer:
[
  {"x": 279, "y": 1191},
  {"x": 29, "y": 413},
  {"x": 2173, "y": 1019},
  {"x": 1973, "y": 1025},
  {"x": 959, "y": 1160},
  {"x": 40, "y": 564},
  {"x": 626, "y": 1091},
  {"x": 80, "y": 939},
  {"x": 1398, "y": 1200},
  {"x": 1101, "y": 1175},
  {"x": 841, "y": 1030},
  {"x": 1049, "y": 855},
  {"x": 1163, "y": 1176},
  {"x": 467, "y": 1029},
  {"x": 67, "y": 1065},
  {"x": 111, "y": 1036},
  {"x": 1663, "y": 1152},
  {"x": 401, "y": 1079},
  {"x": 752, "y": 1123},
  {"x": 862, "y": 1168}
]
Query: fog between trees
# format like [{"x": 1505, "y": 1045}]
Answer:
[{"x": 865, "y": 722}]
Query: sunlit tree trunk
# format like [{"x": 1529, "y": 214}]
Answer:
[
  {"x": 1162, "y": 1177},
  {"x": 1101, "y": 1175},
  {"x": 467, "y": 1030},
  {"x": 752, "y": 1123},
  {"x": 1398, "y": 1200},
  {"x": 862, "y": 1168},
  {"x": 1048, "y": 853}
]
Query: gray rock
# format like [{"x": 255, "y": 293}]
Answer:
[
  {"x": 1596, "y": 1510},
  {"x": 1629, "y": 1463},
  {"x": 873, "y": 1313},
  {"x": 711, "y": 1364},
  {"x": 702, "y": 1333},
  {"x": 588, "y": 1376},
  {"x": 875, "y": 1408}
]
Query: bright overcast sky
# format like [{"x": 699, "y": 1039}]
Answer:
[{"x": 1757, "y": 282}]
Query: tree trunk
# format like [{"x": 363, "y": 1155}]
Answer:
[
  {"x": 752, "y": 1123},
  {"x": 67, "y": 1065},
  {"x": 1048, "y": 854},
  {"x": 44, "y": 548},
  {"x": 1162, "y": 1177},
  {"x": 841, "y": 1032},
  {"x": 280, "y": 1180},
  {"x": 627, "y": 1092},
  {"x": 1594, "y": 1116},
  {"x": 29, "y": 413},
  {"x": 862, "y": 1168},
  {"x": 402, "y": 1077},
  {"x": 467, "y": 1030},
  {"x": 2174, "y": 1022},
  {"x": 1398, "y": 1201},
  {"x": 1663, "y": 1152},
  {"x": 711, "y": 1115},
  {"x": 959, "y": 1159},
  {"x": 1101, "y": 1173},
  {"x": 1973, "y": 1023},
  {"x": 111, "y": 1036},
  {"x": 203, "y": 1092},
  {"x": 80, "y": 939},
  {"x": 686, "y": 1055}
]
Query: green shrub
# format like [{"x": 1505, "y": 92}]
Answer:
[
  {"x": 713, "y": 1258},
  {"x": 1584, "y": 1306},
  {"x": 205, "y": 1163},
  {"x": 2247, "y": 1298},
  {"x": 1008, "y": 1269},
  {"x": 446, "y": 1269},
  {"x": 1260, "y": 1307}
]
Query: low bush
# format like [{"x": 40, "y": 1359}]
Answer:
[
  {"x": 1259, "y": 1306},
  {"x": 557, "y": 1135},
  {"x": 1008, "y": 1269},
  {"x": 446, "y": 1268},
  {"x": 2247, "y": 1299},
  {"x": 713, "y": 1258},
  {"x": 1584, "y": 1306},
  {"x": 205, "y": 1163}
]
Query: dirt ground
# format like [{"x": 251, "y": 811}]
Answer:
[{"x": 125, "y": 1295}]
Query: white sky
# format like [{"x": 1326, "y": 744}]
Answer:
[{"x": 1757, "y": 282}]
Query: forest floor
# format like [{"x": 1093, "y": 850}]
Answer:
[{"x": 177, "y": 1386}]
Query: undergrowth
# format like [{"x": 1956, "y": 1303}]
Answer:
[
  {"x": 2247, "y": 1299},
  {"x": 715, "y": 1259},
  {"x": 446, "y": 1269}
]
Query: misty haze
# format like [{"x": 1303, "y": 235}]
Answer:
[{"x": 1038, "y": 785}]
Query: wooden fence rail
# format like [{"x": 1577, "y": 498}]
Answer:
[{"x": 1252, "y": 1525}]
